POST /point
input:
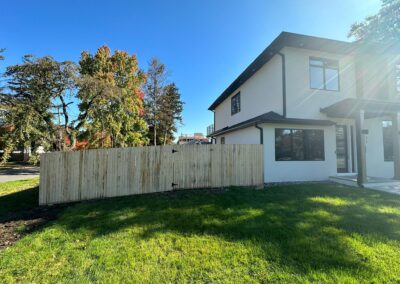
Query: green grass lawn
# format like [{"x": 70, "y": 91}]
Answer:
[
  {"x": 19, "y": 195},
  {"x": 298, "y": 233}
]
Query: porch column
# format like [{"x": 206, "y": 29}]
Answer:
[
  {"x": 396, "y": 145},
  {"x": 361, "y": 149}
]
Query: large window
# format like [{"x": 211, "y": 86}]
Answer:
[
  {"x": 387, "y": 140},
  {"x": 299, "y": 145},
  {"x": 324, "y": 74},
  {"x": 235, "y": 104}
]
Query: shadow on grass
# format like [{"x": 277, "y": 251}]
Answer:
[
  {"x": 19, "y": 201},
  {"x": 308, "y": 225}
]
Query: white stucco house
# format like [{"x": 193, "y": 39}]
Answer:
[{"x": 322, "y": 108}]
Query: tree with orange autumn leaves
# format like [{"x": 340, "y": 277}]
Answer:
[
  {"x": 36, "y": 104},
  {"x": 111, "y": 100}
]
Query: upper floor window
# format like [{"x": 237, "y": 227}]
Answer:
[
  {"x": 235, "y": 104},
  {"x": 398, "y": 77},
  {"x": 222, "y": 140},
  {"x": 324, "y": 74}
]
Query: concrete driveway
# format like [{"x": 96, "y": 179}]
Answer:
[{"x": 18, "y": 173}]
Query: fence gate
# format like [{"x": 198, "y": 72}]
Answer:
[{"x": 91, "y": 174}]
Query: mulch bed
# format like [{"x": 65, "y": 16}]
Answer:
[{"x": 15, "y": 225}]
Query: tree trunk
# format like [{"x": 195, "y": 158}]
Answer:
[
  {"x": 155, "y": 135},
  {"x": 25, "y": 154}
]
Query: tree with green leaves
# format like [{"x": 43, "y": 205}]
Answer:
[
  {"x": 384, "y": 27},
  {"x": 1, "y": 58},
  {"x": 154, "y": 89},
  {"x": 111, "y": 100},
  {"x": 163, "y": 105},
  {"x": 28, "y": 104},
  {"x": 2, "y": 128},
  {"x": 171, "y": 108}
]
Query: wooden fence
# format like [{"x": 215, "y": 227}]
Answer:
[{"x": 93, "y": 174}]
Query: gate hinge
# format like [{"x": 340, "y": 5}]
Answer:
[
  {"x": 174, "y": 151},
  {"x": 174, "y": 184}
]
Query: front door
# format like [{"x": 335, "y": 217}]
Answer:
[{"x": 341, "y": 149}]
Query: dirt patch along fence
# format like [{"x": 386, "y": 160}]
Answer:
[{"x": 101, "y": 173}]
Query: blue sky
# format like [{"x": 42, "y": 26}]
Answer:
[{"x": 205, "y": 44}]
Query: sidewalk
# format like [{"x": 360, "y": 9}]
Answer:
[{"x": 18, "y": 173}]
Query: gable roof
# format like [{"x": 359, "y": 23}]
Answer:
[
  {"x": 272, "y": 117},
  {"x": 284, "y": 39}
]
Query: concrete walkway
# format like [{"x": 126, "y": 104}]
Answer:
[
  {"x": 381, "y": 184},
  {"x": 392, "y": 187},
  {"x": 18, "y": 173}
]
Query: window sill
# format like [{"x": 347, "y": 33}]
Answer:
[
  {"x": 325, "y": 90},
  {"x": 299, "y": 160}
]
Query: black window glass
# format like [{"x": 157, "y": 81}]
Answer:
[
  {"x": 235, "y": 104},
  {"x": 283, "y": 144},
  {"x": 299, "y": 145},
  {"x": 314, "y": 145}
]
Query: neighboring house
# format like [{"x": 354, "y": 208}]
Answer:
[
  {"x": 196, "y": 138},
  {"x": 321, "y": 108}
]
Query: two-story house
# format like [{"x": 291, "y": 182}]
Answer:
[{"x": 322, "y": 108}]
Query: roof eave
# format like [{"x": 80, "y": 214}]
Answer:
[
  {"x": 282, "y": 40},
  {"x": 274, "y": 121},
  {"x": 268, "y": 52}
]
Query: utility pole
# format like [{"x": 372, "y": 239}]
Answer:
[{"x": 60, "y": 135}]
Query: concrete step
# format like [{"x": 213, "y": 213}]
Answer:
[{"x": 345, "y": 180}]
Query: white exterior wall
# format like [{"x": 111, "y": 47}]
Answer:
[
  {"x": 376, "y": 165},
  {"x": 289, "y": 171},
  {"x": 286, "y": 171},
  {"x": 263, "y": 93},
  {"x": 259, "y": 94},
  {"x": 301, "y": 100},
  {"x": 249, "y": 135}
]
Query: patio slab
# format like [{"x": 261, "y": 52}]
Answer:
[
  {"x": 381, "y": 184},
  {"x": 392, "y": 187}
]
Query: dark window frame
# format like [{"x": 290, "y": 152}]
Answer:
[
  {"x": 385, "y": 149},
  {"x": 222, "y": 140},
  {"x": 345, "y": 148},
  {"x": 235, "y": 107},
  {"x": 325, "y": 65},
  {"x": 397, "y": 74},
  {"x": 305, "y": 150}
]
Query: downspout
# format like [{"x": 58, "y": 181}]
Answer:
[
  {"x": 214, "y": 118},
  {"x": 213, "y": 137},
  {"x": 283, "y": 83},
  {"x": 261, "y": 133}
]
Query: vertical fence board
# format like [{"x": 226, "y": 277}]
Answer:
[{"x": 92, "y": 174}]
